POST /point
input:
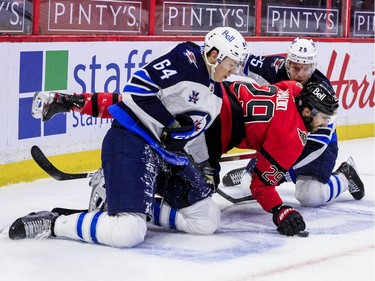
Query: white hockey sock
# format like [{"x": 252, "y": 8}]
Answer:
[
  {"x": 202, "y": 217},
  {"x": 164, "y": 215},
  {"x": 120, "y": 230},
  {"x": 310, "y": 192},
  {"x": 336, "y": 185}
]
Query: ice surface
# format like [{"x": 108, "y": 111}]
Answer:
[{"x": 246, "y": 247}]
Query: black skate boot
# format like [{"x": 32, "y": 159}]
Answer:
[
  {"x": 66, "y": 212},
  {"x": 356, "y": 187},
  {"x": 37, "y": 225}
]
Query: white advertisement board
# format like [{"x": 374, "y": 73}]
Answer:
[{"x": 77, "y": 67}]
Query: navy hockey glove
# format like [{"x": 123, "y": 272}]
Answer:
[
  {"x": 289, "y": 221},
  {"x": 175, "y": 137}
]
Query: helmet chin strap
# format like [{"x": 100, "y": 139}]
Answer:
[{"x": 211, "y": 65}]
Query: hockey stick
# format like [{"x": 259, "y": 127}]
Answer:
[
  {"x": 232, "y": 199},
  {"x": 241, "y": 156},
  {"x": 51, "y": 170},
  {"x": 46, "y": 165}
]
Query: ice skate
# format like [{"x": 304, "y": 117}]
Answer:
[
  {"x": 234, "y": 177},
  {"x": 47, "y": 105},
  {"x": 356, "y": 187},
  {"x": 37, "y": 225}
]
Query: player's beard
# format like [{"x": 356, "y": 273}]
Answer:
[{"x": 308, "y": 120}]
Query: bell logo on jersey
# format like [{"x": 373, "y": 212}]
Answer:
[
  {"x": 302, "y": 136},
  {"x": 191, "y": 57}
]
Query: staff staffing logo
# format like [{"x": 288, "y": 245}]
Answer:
[{"x": 41, "y": 71}]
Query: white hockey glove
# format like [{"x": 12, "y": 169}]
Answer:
[{"x": 47, "y": 105}]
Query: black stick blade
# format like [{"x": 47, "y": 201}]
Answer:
[{"x": 50, "y": 169}]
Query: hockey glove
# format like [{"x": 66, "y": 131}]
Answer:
[
  {"x": 289, "y": 221},
  {"x": 209, "y": 173},
  {"x": 47, "y": 105},
  {"x": 290, "y": 176},
  {"x": 175, "y": 137}
]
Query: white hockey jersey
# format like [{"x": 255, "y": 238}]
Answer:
[{"x": 177, "y": 82}]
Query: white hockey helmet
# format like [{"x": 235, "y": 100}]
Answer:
[
  {"x": 229, "y": 43},
  {"x": 302, "y": 51}
]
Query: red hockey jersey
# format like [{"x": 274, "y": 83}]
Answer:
[{"x": 274, "y": 128}]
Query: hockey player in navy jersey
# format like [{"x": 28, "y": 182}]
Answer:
[
  {"x": 166, "y": 106},
  {"x": 316, "y": 182}
]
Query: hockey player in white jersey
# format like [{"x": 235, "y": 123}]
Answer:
[{"x": 166, "y": 107}]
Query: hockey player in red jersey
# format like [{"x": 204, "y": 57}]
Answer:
[
  {"x": 273, "y": 127},
  {"x": 276, "y": 120}
]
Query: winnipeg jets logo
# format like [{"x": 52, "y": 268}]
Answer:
[
  {"x": 278, "y": 64},
  {"x": 191, "y": 57},
  {"x": 302, "y": 136},
  {"x": 194, "y": 97},
  {"x": 201, "y": 121}
]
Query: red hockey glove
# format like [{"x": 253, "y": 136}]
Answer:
[{"x": 289, "y": 221}]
